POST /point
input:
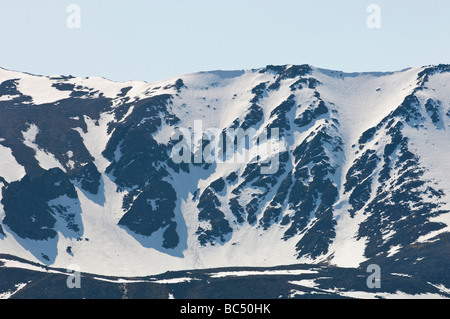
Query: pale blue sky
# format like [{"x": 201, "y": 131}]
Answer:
[{"x": 158, "y": 39}]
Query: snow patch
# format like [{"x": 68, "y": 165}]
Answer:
[
  {"x": 263, "y": 273},
  {"x": 10, "y": 170},
  {"x": 46, "y": 160}
]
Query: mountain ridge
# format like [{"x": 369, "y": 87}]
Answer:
[{"x": 356, "y": 180}]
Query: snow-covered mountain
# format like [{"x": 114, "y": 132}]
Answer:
[{"x": 87, "y": 174}]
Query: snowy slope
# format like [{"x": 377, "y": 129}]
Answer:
[{"x": 350, "y": 145}]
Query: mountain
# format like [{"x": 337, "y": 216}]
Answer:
[{"x": 352, "y": 172}]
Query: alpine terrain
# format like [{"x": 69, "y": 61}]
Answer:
[{"x": 358, "y": 174}]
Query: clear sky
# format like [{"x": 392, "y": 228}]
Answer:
[{"x": 157, "y": 39}]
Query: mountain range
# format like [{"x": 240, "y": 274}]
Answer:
[{"x": 87, "y": 175}]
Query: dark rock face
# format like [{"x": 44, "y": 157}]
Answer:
[
  {"x": 359, "y": 179},
  {"x": 29, "y": 210},
  {"x": 209, "y": 207},
  {"x": 56, "y": 124},
  {"x": 311, "y": 114},
  {"x": 9, "y": 87},
  {"x": 89, "y": 177},
  {"x": 142, "y": 164},
  {"x": 434, "y": 110},
  {"x": 398, "y": 214},
  {"x": 281, "y": 115},
  {"x": 330, "y": 283},
  {"x": 313, "y": 192},
  {"x": 152, "y": 210}
]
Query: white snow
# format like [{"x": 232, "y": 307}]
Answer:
[
  {"x": 17, "y": 264},
  {"x": 441, "y": 288},
  {"x": 173, "y": 280},
  {"x": 164, "y": 134},
  {"x": 109, "y": 89},
  {"x": 401, "y": 275},
  {"x": 432, "y": 146},
  {"x": 394, "y": 250},
  {"x": 397, "y": 295},
  {"x": 294, "y": 293},
  {"x": 10, "y": 170},
  {"x": 45, "y": 159},
  {"x": 40, "y": 89},
  {"x": 111, "y": 250},
  {"x": 295, "y": 272},
  {"x": 120, "y": 280},
  {"x": 310, "y": 283},
  {"x": 347, "y": 250},
  {"x": 9, "y": 294},
  {"x": 9, "y": 75},
  {"x": 364, "y": 99}
]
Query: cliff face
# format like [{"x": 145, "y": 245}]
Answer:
[{"x": 356, "y": 173}]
